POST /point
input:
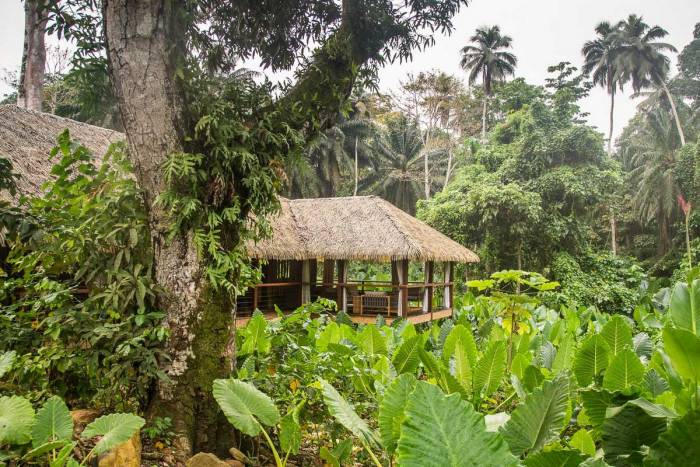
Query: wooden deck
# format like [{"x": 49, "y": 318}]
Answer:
[{"x": 415, "y": 317}]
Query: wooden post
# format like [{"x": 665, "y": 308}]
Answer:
[
  {"x": 256, "y": 291},
  {"x": 328, "y": 274},
  {"x": 402, "y": 273},
  {"x": 305, "y": 282},
  {"x": 428, "y": 288},
  {"x": 449, "y": 288},
  {"x": 342, "y": 281}
]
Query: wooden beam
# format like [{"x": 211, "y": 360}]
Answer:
[
  {"x": 428, "y": 287},
  {"x": 305, "y": 282},
  {"x": 402, "y": 273},
  {"x": 449, "y": 287},
  {"x": 342, "y": 284}
]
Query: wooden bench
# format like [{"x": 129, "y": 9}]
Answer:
[{"x": 373, "y": 302}]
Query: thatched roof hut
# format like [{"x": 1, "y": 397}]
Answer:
[
  {"x": 353, "y": 228},
  {"x": 364, "y": 228},
  {"x": 27, "y": 137}
]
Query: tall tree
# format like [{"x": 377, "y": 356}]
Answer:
[
  {"x": 487, "y": 58},
  {"x": 31, "y": 78},
  {"x": 221, "y": 145},
  {"x": 642, "y": 59},
  {"x": 600, "y": 62}
]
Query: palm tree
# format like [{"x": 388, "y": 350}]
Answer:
[
  {"x": 398, "y": 176},
  {"x": 600, "y": 62},
  {"x": 642, "y": 59},
  {"x": 651, "y": 150},
  {"x": 485, "y": 57}
]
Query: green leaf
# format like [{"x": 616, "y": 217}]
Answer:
[
  {"x": 596, "y": 402},
  {"x": 53, "y": 423},
  {"x": 256, "y": 338},
  {"x": 45, "y": 448},
  {"x": 654, "y": 384},
  {"x": 539, "y": 419},
  {"x": 565, "y": 354},
  {"x": 290, "y": 434},
  {"x": 678, "y": 444},
  {"x": 245, "y": 406},
  {"x": 345, "y": 414},
  {"x": 583, "y": 441},
  {"x": 113, "y": 429},
  {"x": 7, "y": 359},
  {"x": 626, "y": 433},
  {"x": 642, "y": 345},
  {"x": 392, "y": 410},
  {"x": 460, "y": 337},
  {"x": 683, "y": 348},
  {"x": 684, "y": 307},
  {"x": 372, "y": 341},
  {"x": 624, "y": 371},
  {"x": 490, "y": 369},
  {"x": 440, "y": 430},
  {"x": 16, "y": 420},
  {"x": 591, "y": 359},
  {"x": 407, "y": 357},
  {"x": 562, "y": 458},
  {"x": 617, "y": 334}
]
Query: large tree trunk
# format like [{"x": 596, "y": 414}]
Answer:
[
  {"x": 31, "y": 77},
  {"x": 357, "y": 175},
  {"x": 483, "y": 118},
  {"x": 612, "y": 112},
  {"x": 664, "y": 238},
  {"x": 144, "y": 44},
  {"x": 674, "y": 111}
]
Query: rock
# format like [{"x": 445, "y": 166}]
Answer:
[
  {"x": 205, "y": 459},
  {"x": 234, "y": 463},
  {"x": 239, "y": 456},
  {"x": 125, "y": 455}
]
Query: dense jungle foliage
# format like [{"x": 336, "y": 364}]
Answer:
[{"x": 589, "y": 359}]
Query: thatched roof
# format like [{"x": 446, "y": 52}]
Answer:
[
  {"x": 355, "y": 228},
  {"x": 27, "y": 137}
]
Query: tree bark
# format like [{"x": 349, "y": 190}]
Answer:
[
  {"x": 613, "y": 232},
  {"x": 674, "y": 111},
  {"x": 612, "y": 111},
  {"x": 357, "y": 175},
  {"x": 144, "y": 46},
  {"x": 31, "y": 78},
  {"x": 483, "y": 119}
]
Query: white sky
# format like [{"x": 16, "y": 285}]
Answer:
[{"x": 544, "y": 33}]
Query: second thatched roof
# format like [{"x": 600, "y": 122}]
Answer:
[{"x": 363, "y": 228}]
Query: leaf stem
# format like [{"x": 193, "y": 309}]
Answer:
[
  {"x": 278, "y": 460},
  {"x": 371, "y": 454}
]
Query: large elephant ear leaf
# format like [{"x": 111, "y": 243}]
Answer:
[
  {"x": 683, "y": 348},
  {"x": 624, "y": 371},
  {"x": 372, "y": 341},
  {"x": 113, "y": 429},
  {"x": 540, "y": 419},
  {"x": 617, "y": 334},
  {"x": 591, "y": 359},
  {"x": 629, "y": 429},
  {"x": 53, "y": 423},
  {"x": 392, "y": 410},
  {"x": 684, "y": 306},
  {"x": 440, "y": 430},
  {"x": 345, "y": 414},
  {"x": 677, "y": 445},
  {"x": 245, "y": 406},
  {"x": 16, "y": 420},
  {"x": 407, "y": 357},
  {"x": 561, "y": 458},
  {"x": 490, "y": 369},
  {"x": 7, "y": 359}
]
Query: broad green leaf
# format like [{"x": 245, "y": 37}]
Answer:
[
  {"x": 583, "y": 441},
  {"x": 591, "y": 359},
  {"x": 627, "y": 432},
  {"x": 624, "y": 371},
  {"x": 490, "y": 369},
  {"x": 641, "y": 344},
  {"x": 392, "y": 410},
  {"x": 539, "y": 419},
  {"x": 683, "y": 348},
  {"x": 519, "y": 363},
  {"x": 462, "y": 368},
  {"x": 290, "y": 434},
  {"x": 256, "y": 339},
  {"x": 7, "y": 359},
  {"x": 245, "y": 406},
  {"x": 53, "y": 423},
  {"x": 460, "y": 337},
  {"x": 407, "y": 357},
  {"x": 43, "y": 449},
  {"x": 654, "y": 384},
  {"x": 678, "y": 445},
  {"x": 596, "y": 402},
  {"x": 113, "y": 429},
  {"x": 565, "y": 355},
  {"x": 441, "y": 431},
  {"x": 684, "y": 306},
  {"x": 329, "y": 335},
  {"x": 441, "y": 374},
  {"x": 345, "y": 414},
  {"x": 16, "y": 420},
  {"x": 617, "y": 334},
  {"x": 372, "y": 341},
  {"x": 562, "y": 458},
  {"x": 63, "y": 456}
]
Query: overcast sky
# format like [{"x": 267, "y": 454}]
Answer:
[{"x": 544, "y": 33}]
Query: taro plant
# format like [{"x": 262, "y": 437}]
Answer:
[{"x": 46, "y": 436}]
